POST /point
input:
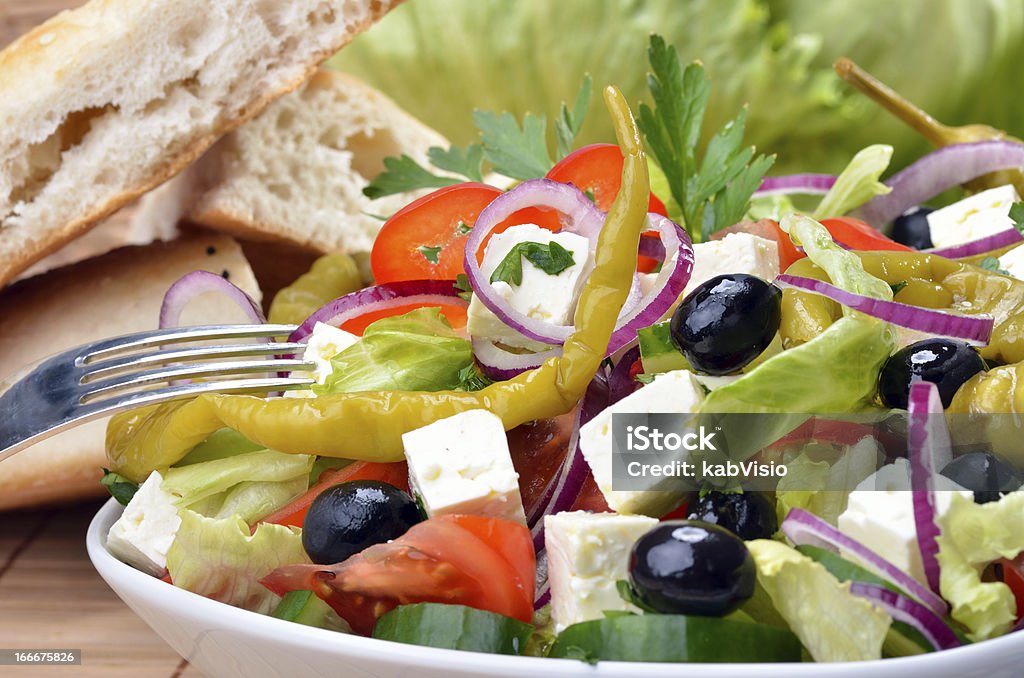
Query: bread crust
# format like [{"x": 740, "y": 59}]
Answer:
[{"x": 26, "y": 52}]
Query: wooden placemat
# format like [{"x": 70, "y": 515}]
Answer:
[{"x": 50, "y": 595}]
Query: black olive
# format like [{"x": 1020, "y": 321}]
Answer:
[
  {"x": 347, "y": 518},
  {"x": 750, "y": 515},
  {"x": 690, "y": 567},
  {"x": 912, "y": 230},
  {"x": 988, "y": 476},
  {"x": 944, "y": 362},
  {"x": 727, "y": 322}
]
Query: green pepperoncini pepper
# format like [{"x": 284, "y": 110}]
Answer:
[{"x": 369, "y": 426}]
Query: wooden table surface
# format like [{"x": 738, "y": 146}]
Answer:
[{"x": 50, "y": 595}]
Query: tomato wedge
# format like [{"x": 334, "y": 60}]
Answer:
[
  {"x": 538, "y": 449},
  {"x": 456, "y": 315},
  {"x": 597, "y": 171},
  {"x": 1013, "y": 576},
  {"x": 294, "y": 513},
  {"x": 481, "y": 562},
  {"x": 858, "y": 235},
  {"x": 426, "y": 239}
]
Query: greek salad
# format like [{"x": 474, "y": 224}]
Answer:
[{"x": 444, "y": 475}]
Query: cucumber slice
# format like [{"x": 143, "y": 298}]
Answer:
[
  {"x": 675, "y": 638},
  {"x": 657, "y": 352},
  {"x": 453, "y": 627},
  {"x": 303, "y": 607}
]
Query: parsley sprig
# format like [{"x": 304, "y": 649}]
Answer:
[
  {"x": 550, "y": 257},
  {"x": 1017, "y": 215},
  {"x": 714, "y": 191},
  {"x": 506, "y": 147}
]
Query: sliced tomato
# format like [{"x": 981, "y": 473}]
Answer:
[
  {"x": 768, "y": 229},
  {"x": 294, "y": 513},
  {"x": 597, "y": 171},
  {"x": 858, "y": 235},
  {"x": 1013, "y": 576},
  {"x": 538, "y": 449},
  {"x": 426, "y": 239},
  {"x": 678, "y": 513},
  {"x": 481, "y": 562},
  {"x": 456, "y": 315}
]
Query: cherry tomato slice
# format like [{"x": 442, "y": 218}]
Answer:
[
  {"x": 858, "y": 235},
  {"x": 426, "y": 239},
  {"x": 482, "y": 562},
  {"x": 1013, "y": 576},
  {"x": 294, "y": 512},
  {"x": 597, "y": 171}
]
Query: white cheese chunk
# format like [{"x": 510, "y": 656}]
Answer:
[
  {"x": 977, "y": 216},
  {"x": 1012, "y": 262},
  {"x": 735, "y": 253},
  {"x": 587, "y": 554},
  {"x": 325, "y": 342},
  {"x": 671, "y": 392},
  {"x": 880, "y": 515},
  {"x": 462, "y": 464},
  {"x": 146, "y": 529},
  {"x": 543, "y": 296}
]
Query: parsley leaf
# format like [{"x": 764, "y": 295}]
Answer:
[
  {"x": 992, "y": 264},
  {"x": 472, "y": 379},
  {"x": 462, "y": 228},
  {"x": 465, "y": 161},
  {"x": 463, "y": 286},
  {"x": 120, "y": 487},
  {"x": 897, "y": 287},
  {"x": 568, "y": 124},
  {"x": 643, "y": 378},
  {"x": 514, "y": 151},
  {"x": 727, "y": 174},
  {"x": 404, "y": 174},
  {"x": 551, "y": 258},
  {"x": 1017, "y": 214},
  {"x": 429, "y": 253}
]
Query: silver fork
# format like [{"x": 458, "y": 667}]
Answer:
[{"x": 122, "y": 373}]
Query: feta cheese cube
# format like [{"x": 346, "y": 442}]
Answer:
[
  {"x": 880, "y": 515},
  {"x": 542, "y": 296},
  {"x": 323, "y": 345},
  {"x": 1012, "y": 262},
  {"x": 462, "y": 464},
  {"x": 671, "y": 392},
  {"x": 146, "y": 529},
  {"x": 735, "y": 253},
  {"x": 587, "y": 554},
  {"x": 977, "y": 216}
]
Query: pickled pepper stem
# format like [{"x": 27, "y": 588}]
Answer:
[{"x": 885, "y": 96}]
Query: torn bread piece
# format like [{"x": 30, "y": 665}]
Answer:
[
  {"x": 102, "y": 103},
  {"x": 296, "y": 172},
  {"x": 117, "y": 293}
]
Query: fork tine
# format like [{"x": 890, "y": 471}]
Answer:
[
  {"x": 103, "y": 349},
  {"x": 167, "y": 374},
  {"x": 133, "y": 400},
  {"x": 129, "y": 363}
]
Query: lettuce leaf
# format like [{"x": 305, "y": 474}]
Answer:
[
  {"x": 974, "y": 535},
  {"x": 858, "y": 183},
  {"x": 221, "y": 445},
  {"x": 249, "y": 485},
  {"x": 832, "y": 623},
  {"x": 418, "y": 351},
  {"x": 844, "y": 268},
  {"x": 857, "y": 463},
  {"x": 220, "y": 559}
]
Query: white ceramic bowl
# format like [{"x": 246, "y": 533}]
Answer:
[{"x": 221, "y": 640}]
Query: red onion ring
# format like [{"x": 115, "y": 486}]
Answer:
[
  {"x": 969, "y": 249},
  {"x": 974, "y": 330},
  {"x": 620, "y": 384},
  {"x": 498, "y": 364},
  {"x": 929, "y": 449},
  {"x": 191, "y": 285},
  {"x": 806, "y": 529},
  {"x": 380, "y": 298},
  {"x": 804, "y": 184},
  {"x": 910, "y": 612},
  {"x": 945, "y": 168}
]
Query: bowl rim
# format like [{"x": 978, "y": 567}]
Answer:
[{"x": 180, "y": 602}]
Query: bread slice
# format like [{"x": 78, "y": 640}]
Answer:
[
  {"x": 296, "y": 172},
  {"x": 102, "y": 103},
  {"x": 114, "y": 294}
]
